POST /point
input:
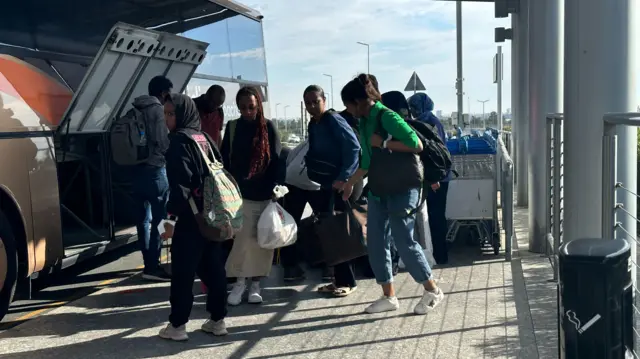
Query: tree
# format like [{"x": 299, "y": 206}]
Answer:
[{"x": 493, "y": 119}]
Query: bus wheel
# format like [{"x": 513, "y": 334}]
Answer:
[{"x": 8, "y": 265}]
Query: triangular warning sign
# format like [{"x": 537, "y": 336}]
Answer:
[{"x": 415, "y": 84}]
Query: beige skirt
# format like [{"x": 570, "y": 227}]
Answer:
[{"x": 247, "y": 259}]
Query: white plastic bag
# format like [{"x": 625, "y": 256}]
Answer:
[
  {"x": 297, "y": 169},
  {"x": 276, "y": 227}
]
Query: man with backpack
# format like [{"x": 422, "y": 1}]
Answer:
[{"x": 139, "y": 140}]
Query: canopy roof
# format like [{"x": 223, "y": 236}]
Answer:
[{"x": 79, "y": 27}]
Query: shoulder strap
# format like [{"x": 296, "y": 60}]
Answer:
[
  {"x": 204, "y": 154},
  {"x": 379, "y": 120},
  {"x": 232, "y": 133}
]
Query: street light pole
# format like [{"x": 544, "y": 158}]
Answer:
[
  {"x": 331, "y": 78},
  {"x": 368, "y": 61},
  {"x": 278, "y": 104},
  {"x": 285, "y": 117},
  {"x": 484, "y": 121}
]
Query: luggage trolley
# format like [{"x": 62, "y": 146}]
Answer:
[{"x": 472, "y": 198}]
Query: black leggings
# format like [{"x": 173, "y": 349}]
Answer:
[{"x": 191, "y": 254}]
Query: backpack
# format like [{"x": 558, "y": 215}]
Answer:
[
  {"x": 128, "y": 137},
  {"x": 221, "y": 215},
  {"x": 435, "y": 156}
]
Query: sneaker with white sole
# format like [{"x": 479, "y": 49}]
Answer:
[
  {"x": 217, "y": 328},
  {"x": 384, "y": 304},
  {"x": 430, "y": 300},
  {"x": 235, "y": 296},
  {"x": 178, "y": 334},
  {"x": 254, "y": 293}
]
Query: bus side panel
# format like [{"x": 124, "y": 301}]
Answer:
[
  {"x": 14, "y": 178},
  {"x": 45, "y": 204}
]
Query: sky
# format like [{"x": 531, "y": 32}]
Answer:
[{"x": 306, "y": 39}]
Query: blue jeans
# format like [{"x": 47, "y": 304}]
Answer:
[
  {"x": 387, "y": 221},
  {"x": 151, "y": 193}
]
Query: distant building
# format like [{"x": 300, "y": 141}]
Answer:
[{"x": 439, "y": 113}]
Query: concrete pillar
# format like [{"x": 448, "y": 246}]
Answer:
[
  {"x": 545, "y": 96},
  {"x": 600, "y": 76},
  {"x": 515, "y": 90},
  {"x": 522, "y": 146}
]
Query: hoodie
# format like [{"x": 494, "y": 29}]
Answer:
[
  {"x": 186, "y": 167},
  {"x": 157, "y": 132},
  {"x": 421, "y": 106},
  {"x": 332, "y": 140}
]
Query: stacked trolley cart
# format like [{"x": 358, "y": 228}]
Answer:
[{"x": 472, "y": 201}]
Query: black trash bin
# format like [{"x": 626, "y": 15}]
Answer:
[{"x": 595, "y": 299}]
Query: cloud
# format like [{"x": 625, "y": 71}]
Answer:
[
  {"x": 305, "y": 40},
  {"x": 246, "y": 54}
]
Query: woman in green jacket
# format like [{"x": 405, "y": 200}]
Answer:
[{"x": 363, "y": 101}]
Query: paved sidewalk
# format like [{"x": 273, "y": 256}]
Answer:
[
  {"x": 539, "y": 293},
  {"x": 486, "y": 313}
]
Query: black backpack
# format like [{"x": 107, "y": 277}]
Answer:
[{"x": 435, "y": 156}]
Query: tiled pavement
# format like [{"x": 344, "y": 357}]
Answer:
[{"x": 493, "y": 309}]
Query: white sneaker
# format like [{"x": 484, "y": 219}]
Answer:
[
  {"x": 429, "y": 301},
  {"x": 254, "y": 293},
  {"x": 384, "y": 304},
  {"x": 218, "y": 328},
  {"x": 235, "y": 297},
  {"x": 178, "y": 334}
]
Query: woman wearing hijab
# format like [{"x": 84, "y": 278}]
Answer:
[
  {"x": 191, "y": 253},
  {"x": 251, "y": 150},
  {"x": 421, "y": 107}
]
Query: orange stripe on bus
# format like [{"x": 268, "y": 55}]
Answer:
[{"x": 41, "y": 92}]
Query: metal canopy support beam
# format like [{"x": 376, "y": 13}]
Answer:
[
  {"x": 515, "y": 91},
  {"x": 545, "y": 96},
  {"x": 459, "y": 79},
  {"x": 522, "y": 126},
  {"x": 600, "y": 77}
]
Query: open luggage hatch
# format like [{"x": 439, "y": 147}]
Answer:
[
  {"x": 127, "y": 60},
  {"x": 102, "y": 216}
]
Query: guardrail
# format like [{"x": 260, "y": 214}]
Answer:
[
  {"x": 554, "y": 184},
  {"x": 611, "y": 207}
]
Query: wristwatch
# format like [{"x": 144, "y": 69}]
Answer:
[{"x": 171, "y": 217}]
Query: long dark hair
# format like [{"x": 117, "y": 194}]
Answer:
[{"x": 260, "y": 151}]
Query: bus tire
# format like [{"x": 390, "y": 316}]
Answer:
[{"x": 8, "y": 260}]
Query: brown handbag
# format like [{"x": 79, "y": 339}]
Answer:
[{"x": 309, "y": 244}]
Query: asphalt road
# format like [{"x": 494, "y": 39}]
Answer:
[
  {"x": 75, "y": 282},
  {"x": 78, "y": 281}
]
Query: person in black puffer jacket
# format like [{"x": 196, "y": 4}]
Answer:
[{"x": 191, "y": 253}]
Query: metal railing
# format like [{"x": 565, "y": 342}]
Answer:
[
  {"x": 554, "y": 184},
  {"x": 612, "y": 226},
  {"x": 504, "y": 169}
]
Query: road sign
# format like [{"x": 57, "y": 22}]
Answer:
[{"x": 415, "y": 84}]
